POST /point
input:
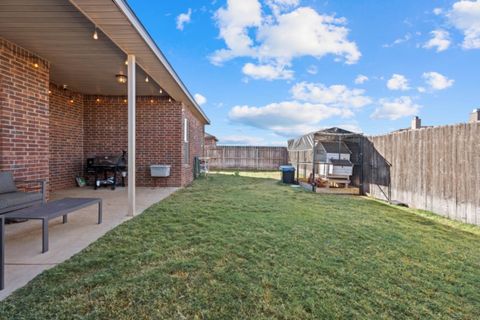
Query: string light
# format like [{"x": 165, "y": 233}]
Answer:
[
  {"x": 35, "y": 65},
  {"x": 95, "y": 34},
  {"x": 71, "y": 100},
  {"x": 161, "y": 91},
  {"x": 147, "y": 80}
]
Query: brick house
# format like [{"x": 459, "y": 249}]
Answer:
[
  {"x": 82, "y": 78},
  {"x": 210, "y": 142}
]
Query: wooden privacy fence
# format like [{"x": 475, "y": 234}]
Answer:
[
  {"x": 435, "y": 169},
  {"x": 246, "y": 158}
]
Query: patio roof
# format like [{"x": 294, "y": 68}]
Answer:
[{"x": 61, "y": 32}]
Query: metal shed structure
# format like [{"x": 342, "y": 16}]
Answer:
[{"x": 313, "y": 152}]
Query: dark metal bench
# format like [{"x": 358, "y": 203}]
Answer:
[{"x": 47, "y": 212}]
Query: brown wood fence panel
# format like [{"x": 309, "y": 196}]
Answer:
[
  {"x": 435, "y": 169},
  {"x": 246, "y": 158}
]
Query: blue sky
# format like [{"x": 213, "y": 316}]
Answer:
[{"x": 269, "y": 70}]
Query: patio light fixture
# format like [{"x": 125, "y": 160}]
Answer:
[
  {"x": 121, "y": 78},
  {"x": 95, "y": 34},
  {"x": 147, "y": 80}
]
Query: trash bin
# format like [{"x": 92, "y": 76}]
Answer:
[{"x": 288, "y": 174}]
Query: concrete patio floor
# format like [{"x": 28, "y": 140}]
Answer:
[{"x": 23, "y": 249}]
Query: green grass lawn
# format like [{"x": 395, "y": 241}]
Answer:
[
  {"x": 254, "y": 174},
  {"x": 234, "y": 247}
]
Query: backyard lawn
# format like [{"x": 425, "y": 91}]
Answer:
[{"x": 235, "y": 247}]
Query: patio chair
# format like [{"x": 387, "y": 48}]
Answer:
[{"x": 12, "y": 198}]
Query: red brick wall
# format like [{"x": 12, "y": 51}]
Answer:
[
  {"x": 196, "y": 135},
  {"x": 66, "y": 138},
  {"x": 24, "y": 113},
  {"x": 158, "y": 134}
]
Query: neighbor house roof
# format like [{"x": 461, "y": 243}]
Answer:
[{"x": 209, "y": 136}]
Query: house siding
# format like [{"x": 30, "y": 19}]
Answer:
[{"x": 24, "y": 113}]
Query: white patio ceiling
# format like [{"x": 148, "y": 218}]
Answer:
[{"x": 61, "y": 31}]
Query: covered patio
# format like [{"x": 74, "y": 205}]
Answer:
[{"x": 83, "y": 79}]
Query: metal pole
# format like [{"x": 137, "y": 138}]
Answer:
[
  {"x": 2, "y": 253},
  {"x": 314, "y": 186},
  {"x": 131, "y": 135},
  {"x": 339, "y": 146},
  {"x": 298, "y": 164},
  {"x": 361, "y": 159}
]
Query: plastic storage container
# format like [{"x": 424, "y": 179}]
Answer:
[
  {"x": 288, "y": 174},
  {"x": 160, "y": 170}
]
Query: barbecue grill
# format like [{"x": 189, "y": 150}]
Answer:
[{"x": 101, "y": 166}]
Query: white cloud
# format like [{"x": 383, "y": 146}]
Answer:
[
  {"x": 234, "y": 22},
  {"x": 312, "y": 104},
  {"x": 201, "y": 100},
  {"x": 353, "y": 127},
  {"x": 268, "y": 72},
  {"x": 312, "y": 69},
  {"x": 421, "y": 89},
  {"x": 278, "y": 6},
  {"x": 277, "y": 40},
  {"x": 465, "y": 16},
  {"x": 394, "y": 109},
  {"x": 286, "y": 118},
  {"x": 437, "y": 81},
  {"x": 361, "y": 79},
  {"x": 437, "y": 11},
  {"x": 398, "y": 41},
  {"x": 398, "y": 82},
  {"x": 183, "y": 19},
  {"x": 304, "y": 32},
  {"x": 241, "y": 140},
  {"x": 440, "y": 40},
  {"x": 336, "y": 95}
]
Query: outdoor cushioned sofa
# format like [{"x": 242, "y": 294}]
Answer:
[{"x": 11, "y": 198}]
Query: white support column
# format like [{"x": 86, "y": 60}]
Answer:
[{"x": 131, "y": 135}]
